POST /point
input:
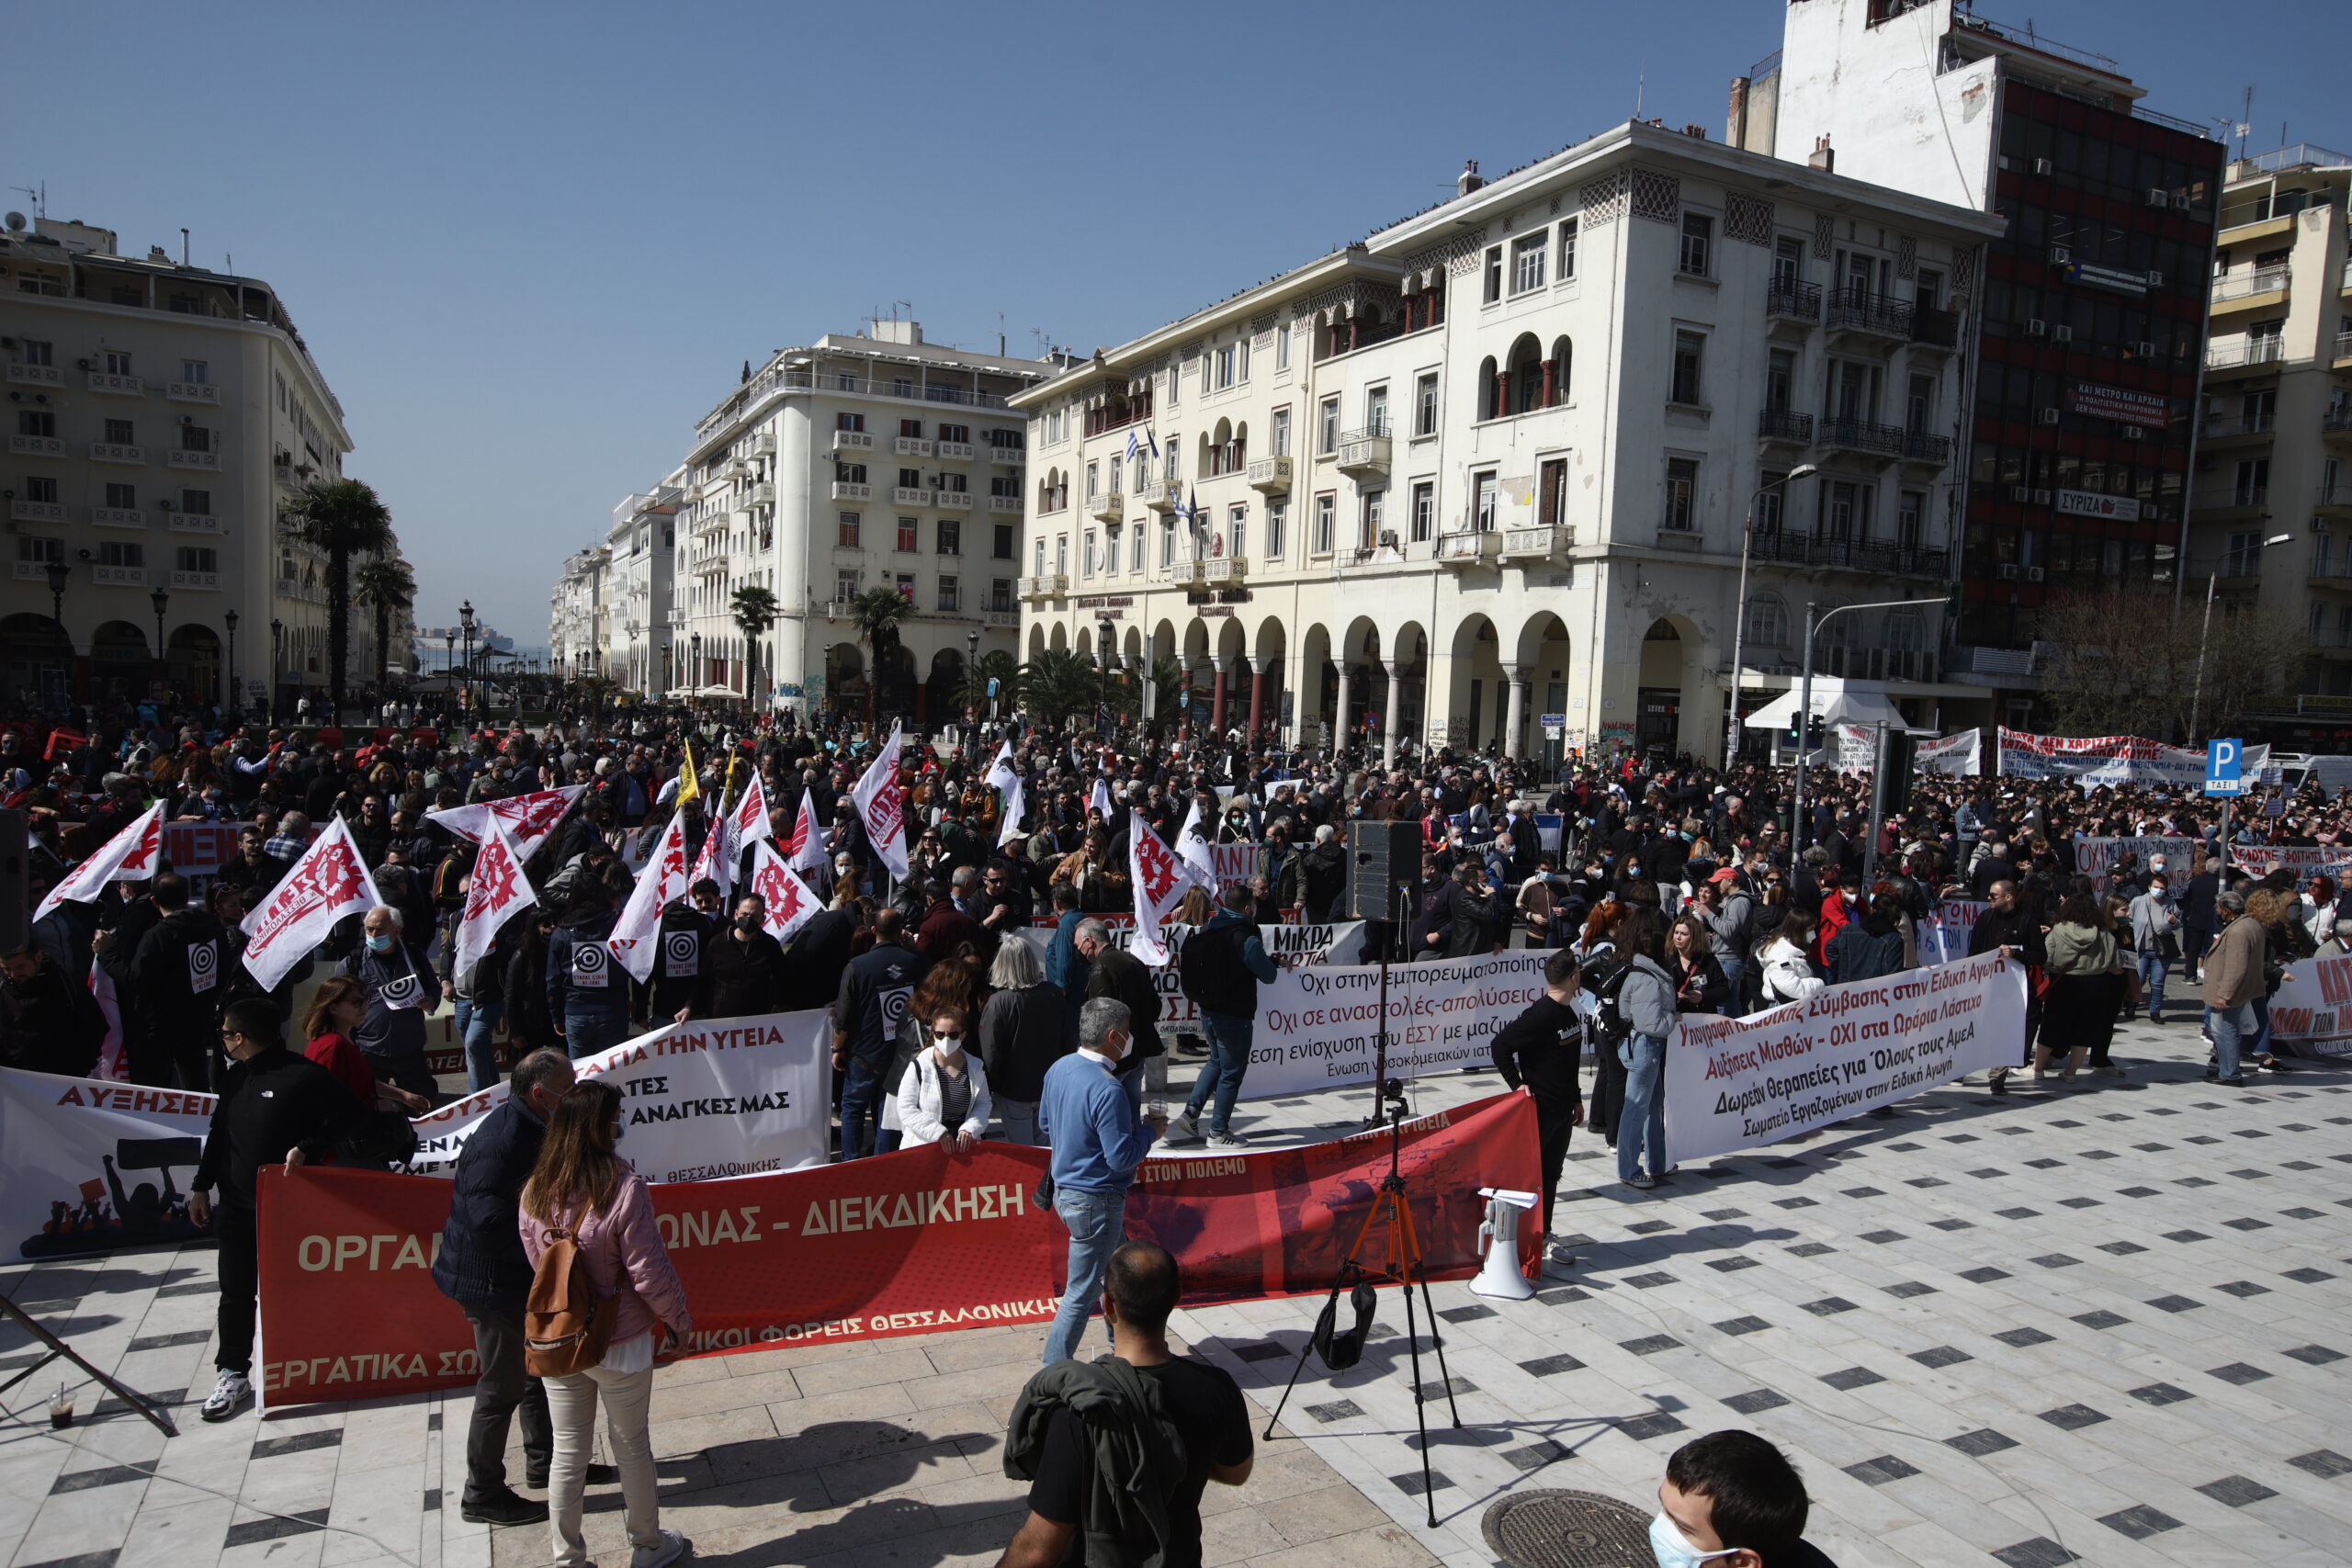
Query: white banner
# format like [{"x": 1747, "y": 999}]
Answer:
[
  {"x": 1317, "y": 1027},
  {"x": 2098, "y": 858},
  {"x": 1943, "y": 935},
  {"x": 2111, "y": 760},
  {"x": 712, "y": 1097},
  {"x": 89, "y": 1166},
  {"x": 1290, "y": 947},
  {"x": 1736, "y": 1083},
  {"x": 1957, "y": 756},
  {"x": 2313, "y": 1009}
]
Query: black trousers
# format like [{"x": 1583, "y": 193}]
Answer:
[
  {"x": 502, "y": 1387},
  {"x": 240, "y": 1269},
  {"x": 1554, "y": 1120}
]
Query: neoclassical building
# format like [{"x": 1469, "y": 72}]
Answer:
[{"x": 1493, "y": 462}]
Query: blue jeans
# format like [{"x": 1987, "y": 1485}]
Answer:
[
  {"x": 585, "y": 1034},
  {"x": 2261, "y": 1046},
  {"x": 2229, "y": 1026},
  {"x": 1642, "y": 1125},
  {"x": 1097, "y": 1224},
  {"x": 1221, "y": 1074},
  {"x": 1735, "y": 970},
  {"x": 2152, "y": 981},
  {"x": 861, "y": 1108},
  {"x": 477, "y": 1028}
]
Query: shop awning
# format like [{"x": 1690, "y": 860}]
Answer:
[{"x": 1834, "y": 701}]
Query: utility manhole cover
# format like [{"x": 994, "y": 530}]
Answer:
[{"x": 1567, "y": 1529}]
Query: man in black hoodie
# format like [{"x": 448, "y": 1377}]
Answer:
[
  {"x": 179, "y": 969},
  {"x": 274, "y": 1106}
]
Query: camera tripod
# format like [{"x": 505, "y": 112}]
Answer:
[{"x": 1402, "y": 1266}]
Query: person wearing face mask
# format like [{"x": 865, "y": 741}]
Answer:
[
  {"x": 401, "y": 991},
  {"x": 943, "y": 1098},
  {"x": 1732, "y": 1500},
  {"x": 681, "y": 982},
  {"x": 2156, "y": 938},
  {"x": 746, "y": 965}
]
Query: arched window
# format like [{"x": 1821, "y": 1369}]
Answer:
[
  {"x": 1562, "y": 352},
  {"x": 1526, "y": 390},
  {"x": 1490, "y": 393},
  {"x": 1767, "y": 622}
]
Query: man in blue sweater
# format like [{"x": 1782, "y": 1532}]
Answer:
[{"x": 1090, "y": 1126}]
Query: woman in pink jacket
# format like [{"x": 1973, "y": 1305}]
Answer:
[{"x": 581, "y": 1185}]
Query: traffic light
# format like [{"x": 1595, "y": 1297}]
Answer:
[{"x": 1902, "y": 755}]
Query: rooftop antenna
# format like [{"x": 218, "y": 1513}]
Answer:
[
  {"x": 1641, "y": 85},
  {"x": 894, "y": 309},
  {"x": 2245, "y": 121},
  {"x": 1044, "y": 346},
  {"x": 1000, "y": 334},
  {"x": 41, "y": 197}
]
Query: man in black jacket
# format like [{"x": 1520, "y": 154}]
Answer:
[
  {"x": 2004, "y": 926},
  {"x": 1116, "y": 973},
  {"x": 680, "y": 982},
  {"x": 869, "y": 1016},
  {"x": 48, "y": 1022},
  {"x": 746, "y": 965},
  {"x": 483, "y": 1267},
  {"x": 274, "y": 1106},
  {"x": 179, "y": 969},
  {"x": 1543, "y": 1048}
]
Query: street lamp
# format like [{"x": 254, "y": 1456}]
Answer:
[
  {"x": 59, "y": 574},
  {"x": 2197, "y": 700},
  {"x": 229, "y": 619},
  {"x": 466, "y": 622},
  {"x": 695, "y": 682},
  {"x": 1813, "y": 621},
  {"x": 669, "y": 670},
  {"x": 1739, "y": 610},
  {"x": 971, "y": 683},
  {"x": 276, "y": 661},
  {"x": 162, "y": 601}
]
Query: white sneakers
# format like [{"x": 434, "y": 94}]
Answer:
[
  {"x": 675, "y": 1548},
  {"x": 1228, "y": 1141},
  {"x": 1183, "y": 1128},
  {"x": 231, "y": 1393}
]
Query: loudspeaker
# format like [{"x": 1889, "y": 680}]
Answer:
[
  {"x": 16, "y": 891},
  {"x": 1381, "y": 855}
]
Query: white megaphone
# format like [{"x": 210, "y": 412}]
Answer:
[{"x": 1499, "y": 1234}]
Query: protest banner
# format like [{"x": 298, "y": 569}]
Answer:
[
  {"x": 1736, "y": 1083},
  {"x": 1318, "y": 1027},
  {"x": 905, "y": 1243},
  {"x": 2098, "y": 857},
  {"x": 90, "y": 1166},
  {"x": 1943, "y": 935},
  {"x": 2109, "y": 759},
  {"x": 2311, "y": 1013},
  {"x": 1955, "y": 756},
  {"x": 1289, "y": 946}
]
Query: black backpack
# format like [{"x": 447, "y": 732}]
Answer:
[{"x": 1609, "y": 1023}]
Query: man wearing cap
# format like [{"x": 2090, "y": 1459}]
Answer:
[{"x": 1726, "y": 908}]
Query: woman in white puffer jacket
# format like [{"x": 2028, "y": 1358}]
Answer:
[
  {"x": 943, "y": 1098},
  {"x": 1788, "y": 973}
]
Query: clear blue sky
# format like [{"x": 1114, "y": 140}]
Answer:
[{"x": 530, "y": 245}]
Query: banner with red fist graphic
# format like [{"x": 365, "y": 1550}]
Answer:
[{"x": 906, "y": 1243}]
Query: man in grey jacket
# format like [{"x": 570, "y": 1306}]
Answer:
[
  {"x": 1726, "y": 909},
  {"x": 1645, "y": 1000},
  {"x": 2155, "y": 920}
]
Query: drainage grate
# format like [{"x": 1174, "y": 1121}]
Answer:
[{"x": 1567, "y": 1529}]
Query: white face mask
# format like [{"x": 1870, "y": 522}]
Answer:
[{"x": 1672, "y": 1551}]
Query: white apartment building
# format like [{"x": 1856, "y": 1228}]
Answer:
[
  {"x": 577, "y": 644},
  {"x": 2276, "y": 457},
  {"x": 1494, "y": 462},
  {"x": 641, "y": 623},
  {"x": 158, "y": 416},
  {"x": 860, "y": 461}
]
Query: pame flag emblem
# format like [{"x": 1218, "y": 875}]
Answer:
[
  {"x": 203, "y": 966},
  {"x": 681, "y": 956}
]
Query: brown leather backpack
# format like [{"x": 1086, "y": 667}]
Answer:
[{"x": 567, "y": 1326}]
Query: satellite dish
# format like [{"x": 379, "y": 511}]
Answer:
[{"x": 17, "y": 222}]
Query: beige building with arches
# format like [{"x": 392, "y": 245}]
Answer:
[{"x": 1493, "y": 461}]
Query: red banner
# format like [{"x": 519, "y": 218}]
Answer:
[{"x": 907, "y": 1243}]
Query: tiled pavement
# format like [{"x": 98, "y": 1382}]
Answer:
[{"x": 2105, "y": 1324}]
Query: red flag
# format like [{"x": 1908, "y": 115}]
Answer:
[
  {"x": 329, "y": 881},
  {"x": 790, "y": 903},
  {"x": 495, "y": 891},
  {"x": 129, "y": 856}
]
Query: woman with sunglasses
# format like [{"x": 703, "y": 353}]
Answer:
[{"x": 943, "y": 1098}]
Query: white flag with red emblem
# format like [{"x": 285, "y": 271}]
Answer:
[
  {"x": 1192, "y": 847},
  {"x": 882, "y": 807},
  {"x": 663, "y": 879},
  {"x": 497, "y": 889},
  {"x": 748, "y": 821},
  {"x": 805, "y": 851},
  {"x": 791, "y": 904},
  {"x": 1161, "y": 879},
  {"x": 1005, "y": 780},
  {"x": 527, "y": 819},
  {"x": 717, "y": 858},
  {"x": 329, "y": 881},
  {"x": 129, "y": 856}
]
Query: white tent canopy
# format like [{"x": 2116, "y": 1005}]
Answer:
[{"x": 1834, "y": 701}]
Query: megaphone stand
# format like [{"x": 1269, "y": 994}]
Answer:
[{"x": 1402, "y": 1266}]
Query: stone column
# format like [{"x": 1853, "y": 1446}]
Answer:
[
  {"x": 1515, "y": 712},
  {"x": 1389, "y": 721},
  {"x": 1339, "y": 718},
  {"x": 1216, "y": 699},
  {"x": 1258, "y": 670}
]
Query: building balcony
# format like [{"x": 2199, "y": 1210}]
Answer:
[
  {"x": 2244, "y": 353},
  {"x": 2344, "y": 346},
  {"x": 1863, "y": 435},
  {"x": 2240, "y": 430},
  {"x": 195, "y": 523},
  {"x": 853, "y": 441},
  {"x": 1159, "y": 495},
  {"x": 2250, "y": 290},
  {"x": 201, "y": 462},
  {"x": 1789, "y": 548},
  {"x": 1934, "y": 329},
  {"x": 192, "y": 392},
  {"x": 762, "y": 445},
  {"x": 956, "y": 451},
  {"x": 1007, "y": 505},
  {"x": 37, "y": 446},
  {"x": 36, "y": 512},
  {"x": 116, "y": 452},
  {"x": 36, "y": 375},
  {"x": 1921, "y": 450},
  {"x": 119, "y": 576},
  {"x": 2245, "y": 503},
  {"x": 2336, "y": 426},
  {"x": 952, "y": 500},
  {"x": 1788, "y": 300},
  {"x": 1545, "y": 542},
  {"x": 118, "y": 516},
  {"x": 284, "y": 475},
  {"x": 1784, "y": 427},
  {"x": 1011, "y": 456},
  {"x": 1111, "y": 506},
  {"x": 909, "y": 447},
  {"x": 1008, "y": 619},
  {"x": 2335, "y": 500},
  {"x": 1047, "y": 586},
  {"x": 125, "y": 386},
  {"x": 1469, "y": 549},
  {"x": 845, "y": 491},
  {"x": 1271, "y": 474},
  {"x": 910, "y": 495},
  {"x": 1363, "y": 453},
  {"x": 1187, "y": 573},
  {"x": 197, "y": 579},
  {"x": 1864, "y": 312},
  {"x": 1224, "y": 572},
  {"x": 760, "y": 494},
  {"x": 32, "y": 571}
]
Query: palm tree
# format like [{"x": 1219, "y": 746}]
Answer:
[
  {"x": 1058, "y": 683},
  {"x": 387, "y": 584},
  {"x": 995, "y": 665},
  {"x": 876, "y": 614},
  {"x": 345, "y": 518},
  {"x": 1127, "y": 696},
  {"x": 755, "y": 610}
]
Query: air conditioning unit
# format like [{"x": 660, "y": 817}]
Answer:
[
  {"x": 2037, "y": 328},
  {"x": 2320, "y": 525},
  {"x": 2041, "y": 498},
  {"x": 2145, "y": 349},
  {"x": 2061, "y": 335},
  {"x": 2019, "y": 493},
  {"x": 2008, "y": 571},
  {"x": 1388, "y": 538},
  {"x": 2060, "y": 255},
  {"x": 2047, "y": 416},
  {"x": 2180, "y": 200},
  {"x": 165, "y": 505},
  {"x": 2159, "y": 198},
  {"x": 2041, "y": 165},
  {"x": 2134, "y": 433},
  {"x": 2155, "y": 277},
  {"x": 2033, "y": 574}
]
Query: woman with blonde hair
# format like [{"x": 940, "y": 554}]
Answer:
[{"x": 582, "y": 1189}]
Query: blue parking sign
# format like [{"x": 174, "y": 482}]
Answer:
[{"x": 2222, "y": 767}]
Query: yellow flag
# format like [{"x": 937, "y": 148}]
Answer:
[
  {"x": 727, "y": 791},
  {"x": 689, "y": 787}
]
